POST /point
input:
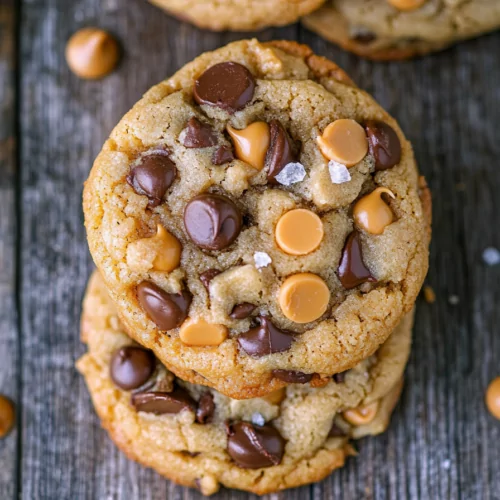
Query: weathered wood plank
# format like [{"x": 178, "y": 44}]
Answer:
[{"x": 9, "y": 354}]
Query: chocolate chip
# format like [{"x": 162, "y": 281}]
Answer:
[
  {"x": 223, "y": 154},
  {"x": 152, "y": 177},
  {"x": 212, "y": 221},
  {"x": 227, "y": 85},
  {"x": 199, "y": 135},
  {"x": 352, "y": 270},
  {"x": 206, "y": 408},
  {"x": 280, "y": 151},
  {"x": 163, "y": 402},
  {"x": 167, "y": 310},
  {"x": 131, "y": 367},
  {"x": 242, "y": 311},
  {"x": 339, "y": 378},
  {"x": 336, "y": 431},
  {"x": 384, "y": 144},
  {"x": 265, "y": 339},
  {"x": 254, "y": 447},
  {"x": 207, "y": 276},
  {"x": 292, "y": 377}
]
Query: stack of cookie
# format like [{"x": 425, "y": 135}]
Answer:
[{"x": 261, "y": 234}]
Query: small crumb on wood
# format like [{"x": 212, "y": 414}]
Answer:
[
  {"x": 454, "y": 300},
  {"x": 491, "y": 256},
  {"x": 429, "y": 294}
]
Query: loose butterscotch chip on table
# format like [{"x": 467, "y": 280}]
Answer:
[
  {"x": 493, "y": 397},
  {"x": 7, "y": 416}
]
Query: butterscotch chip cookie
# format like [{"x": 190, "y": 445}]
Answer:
[
  {"x": 201, "y": 438},
  {"x": 238, "y": 15},
  {"x": 251, "y": 302},
  {"x": 400, "y": 29}
]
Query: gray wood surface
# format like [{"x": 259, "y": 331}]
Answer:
[{"x": 442, "y": 444}]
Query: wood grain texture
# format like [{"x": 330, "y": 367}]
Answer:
[{"x": 442, "y": 444}]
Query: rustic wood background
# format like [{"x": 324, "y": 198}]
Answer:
[{"x": 442, "y": 443}]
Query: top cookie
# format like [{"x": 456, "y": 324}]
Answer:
[
  {"x": 400, "y": 29},
  {"x": 238, "y": 15},
  {"x": 257, "y": 220}
]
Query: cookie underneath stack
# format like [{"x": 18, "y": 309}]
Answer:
[{"x": 261, "y": 232}]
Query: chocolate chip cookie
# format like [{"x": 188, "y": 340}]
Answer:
[
  {"x": 238, "y": 15},
  {"x": 200, "y": 438},
  {"x": 257, "y": 220},
  {"x": 400, "y": 29}
]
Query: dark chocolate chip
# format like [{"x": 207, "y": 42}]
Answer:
[
  {"x": 153, "y": 176},
  {"x": 163, "y": 402},
  {"x": 131, "y": 367},
  {"x": 199, "y": 135},
  {"x": 265, "y": 339},
  {"x": 352, "y": 270},
  {"x": 167, "y": 310},
  {"x": 384, "y": 144},
  {"x": 292, "y": 377},
  {"x": 227, "y": 85},
  {"x": 242, "y": 311},
  {"x": 336, "y": 431},
  {"x": 339, "y": 378},
  {"x": 280, "y": 151},
  {"x": 206, "y": 408},
  {"x": 212, "y": 221},
  {"x": 223, "y": 154},
  {"x": 207, "y": 276},
  {"x": 254, "y": 447}
]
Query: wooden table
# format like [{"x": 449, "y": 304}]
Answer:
[{"x": 442, "y": 443}]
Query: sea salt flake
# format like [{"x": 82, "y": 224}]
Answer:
[
  {"x": 258, "y": 419},
  {"x": 291, "y": 174},
  {"x": 338, "y": 173},
  {"x": 491, "y": 256},
  {"x": 261, "y": 259},
  {"x": 446, "y": 464}
]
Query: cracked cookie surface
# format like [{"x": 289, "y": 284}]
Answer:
[
  {"x": 183, "y": 433},
  {"x": 377, "y": 29},
  {"x": 196, "y": 253}
]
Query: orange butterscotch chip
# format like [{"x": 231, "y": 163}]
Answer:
[
  {"x": 251, "y": 143},
  {"x": 299, "y": 232},
  {"x": 407, "y": 4},
  {"x": 304, "y": 297},
  {"x": 362, "y": 415},
  {"x": 200, "y": 333},
  {"x": 493, "y": 397},
  {"x": 344, "y": 141},
  {"x": 372, "y": 213},
  {"x": 7, "y": 416},
  {"x": 276, "y": 397}
]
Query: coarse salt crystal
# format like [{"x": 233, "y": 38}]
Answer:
[
  {"x": 258, "y": 419},
  {"x": 491, "y": 256},
  {"x": 338, "y": 173},
  {"x": 291, "y": 174},
  {"x": 261, "y": 259}
]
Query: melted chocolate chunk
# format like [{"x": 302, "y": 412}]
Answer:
[
  {"x": 352, "y": 270},
  {"x": 167, "y": 310},
  {"x": 265, "y": 339},
  {"x": 227, "y": 85},
  {"x": 212, "y": 221},
  {"x": 207, "y": 276},
  {"x": 223, "y": 154},
  {"x": 242, "y": 311},
  {"x": 384, "y": 144},
  {"x": 206, "y": 408},
  {"x": 280, "y": 151},
  {"x": 163, "y": 402},
  {"x": 339, "y": 378},
  {"x": 131, "y": 367},
  {"x": 152, "y": 177},
  {"x": 199, "y": 135},
  {"x": 254, "y": 447},
  {"x": 292, "y": 377}
]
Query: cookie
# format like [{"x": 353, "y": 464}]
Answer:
[
  {"x": 200, "y": 438},
  {"x": 401, "y": 29},
  {"x": 238, "y": 15},
  {"x": 257, "y": 220}
]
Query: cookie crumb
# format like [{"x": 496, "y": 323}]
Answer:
[
  {"x": 491, "y": 256},
  {"x": 338, "y": 173},
  {"x": 454, "y": 300},
  {"x": 446, "y": 464},
  {"x": 258, "y": 419},
  {"x": 429, "y": 294},
  {"x": 291, "y": 174},
  {"x": 261, "y": 259}
]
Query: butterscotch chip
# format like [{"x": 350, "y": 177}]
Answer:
[
  {"x": 299, "y": 232},
  {"x": 493, "y": 397},
  {"x": 251, "y": 143},
  {"x": 344, "y": 141},
  {"x": 362, "y": 415},
  {"x": 276, "y": 397},
  {"x": 372, "y": 213},
  {"x": 200, "y": 333},
  {"x": 429, "y": 294},
  {"x": 407, "y": 4},
  {"x": 92, "y": 53},
  {"x": 7, "y": 416},
  {"x": 304, "y": 297}
]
